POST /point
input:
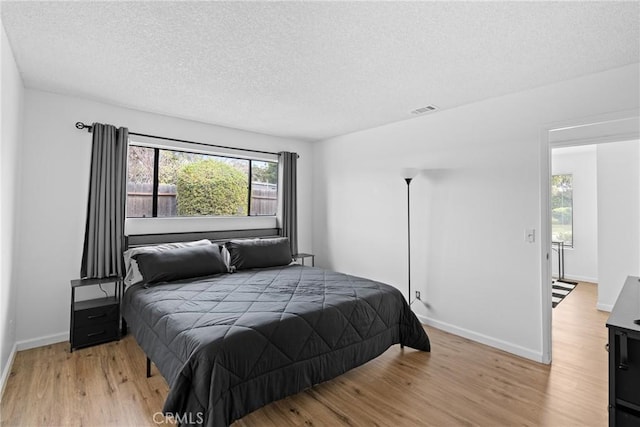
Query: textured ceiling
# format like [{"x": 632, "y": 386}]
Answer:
[{"x": 311, "y": 70}]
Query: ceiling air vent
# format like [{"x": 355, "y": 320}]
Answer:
[{"x": 427, "y": 109}]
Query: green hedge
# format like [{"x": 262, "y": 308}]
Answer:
[{"x": 211, "y": 187}]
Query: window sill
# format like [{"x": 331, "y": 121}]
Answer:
[{"x": 134, "y": 226}]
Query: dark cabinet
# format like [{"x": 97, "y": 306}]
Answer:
[
  {"x": 96, "y": 320},
  {"x": 624, "y": 357}
]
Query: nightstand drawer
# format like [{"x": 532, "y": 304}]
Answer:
[
  {"x": 96, "y": 315},
  {"x": 95, "y": 334}
]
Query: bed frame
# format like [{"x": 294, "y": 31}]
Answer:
[{"x": 215, "y": 236}]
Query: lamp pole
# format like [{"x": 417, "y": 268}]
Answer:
[{"x": 408, "y": 180}]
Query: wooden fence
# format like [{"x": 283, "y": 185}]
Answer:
[{"x": 264, "y": 199}]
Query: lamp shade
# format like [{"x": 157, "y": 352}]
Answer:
[{"x": 409, "y": 173}]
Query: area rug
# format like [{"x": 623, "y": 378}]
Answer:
[{"x": 559, "y": 291}]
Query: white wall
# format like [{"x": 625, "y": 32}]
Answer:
[
  {"x": 479, "y": 192},
  {"x": 11, "y": 131},
  {"x": 618, "y": 218},
  {"x": 581, "y": 261},
  {"x": 54, "y": 197}
]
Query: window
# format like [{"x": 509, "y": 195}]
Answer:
[
  {"x": 169, "y": 183},
  {"x": 562, "y": 209}
]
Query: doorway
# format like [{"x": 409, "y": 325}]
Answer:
[
  {"x": 574, "y": 219},
  {"x": 614, "y": 127}
]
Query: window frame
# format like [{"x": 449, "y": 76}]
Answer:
[
  {"x": 214, "y": 153},
  {"x": 567, "y": 244}
]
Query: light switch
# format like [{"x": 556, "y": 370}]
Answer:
[{"x": 530, "y": 235}]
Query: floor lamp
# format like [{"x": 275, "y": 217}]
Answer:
[{"x": 408, "y": 175}]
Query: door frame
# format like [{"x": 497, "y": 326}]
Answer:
[{"x": 546, "y": 146}]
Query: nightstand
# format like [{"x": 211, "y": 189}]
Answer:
[
  {"x": 95, "y": 321},
  {"x": 302, "y": 256}
]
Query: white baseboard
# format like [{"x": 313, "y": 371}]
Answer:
[
  {"x": 7, "y": 370},
  {"x": 604, "y": 307},
  {"x": 42, "y": 341},
  {"x": 484, "y": 339},
  {"x": 26, "y": 345}
]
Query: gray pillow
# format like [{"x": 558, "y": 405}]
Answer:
[
  {"x": 133, "y": 275},
  {"x": 259, "y": 253},
  {"x": 180, "y": 263}
]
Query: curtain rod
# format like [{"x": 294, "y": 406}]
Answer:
[{"x": 80, "y": 125}]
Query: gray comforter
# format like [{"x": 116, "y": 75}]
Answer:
[{"x": 231, "y": 343}]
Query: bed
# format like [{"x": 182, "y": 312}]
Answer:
[{"x": 230, "y": 342}]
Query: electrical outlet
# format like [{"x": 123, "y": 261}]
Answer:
[{"x": 417, "y": 294}]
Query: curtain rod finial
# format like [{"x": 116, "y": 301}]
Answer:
[{"x": 80, "y": 125}]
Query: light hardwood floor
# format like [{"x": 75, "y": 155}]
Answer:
[{"x": 459, "y": 383}]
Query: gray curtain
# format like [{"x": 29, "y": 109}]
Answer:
[
  {"x": 104, "y": 232},
  {"x": 289, "y": 199}
]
